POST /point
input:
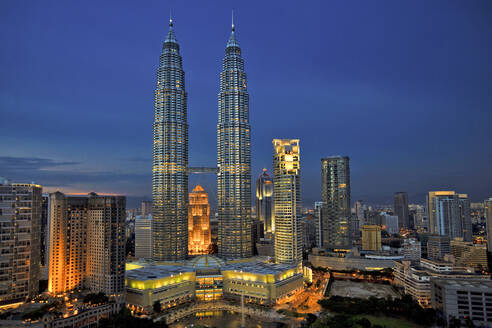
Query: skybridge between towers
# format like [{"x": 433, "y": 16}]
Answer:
[{"x": 203, "y": 170}]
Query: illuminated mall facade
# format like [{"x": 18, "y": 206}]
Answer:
[{"x": 208, "y": 278}]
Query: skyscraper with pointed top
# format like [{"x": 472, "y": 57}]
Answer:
[
  {"x": 234, "y": 156},
  {"x": 170, "y": 156}
]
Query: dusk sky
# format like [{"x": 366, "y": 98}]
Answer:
[{"x": 404, "y": 88}]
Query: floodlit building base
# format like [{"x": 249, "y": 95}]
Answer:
[{"x": 207, "y": 278}]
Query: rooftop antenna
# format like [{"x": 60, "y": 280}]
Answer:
[
  {"x": 170, "y": 18},
  {"x": 232, "y": 20}
]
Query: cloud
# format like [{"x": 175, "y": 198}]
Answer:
[
  {"x": 53, "y": 173},
  {"x": 29, "y": 163},
  {"x": 147, "y": 159}
]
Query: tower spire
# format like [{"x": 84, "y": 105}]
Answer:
[
  {"x": 232, "y": 39},
  {"x": 170, "y": 35}
]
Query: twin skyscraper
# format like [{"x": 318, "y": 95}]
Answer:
[{"x": 170, "y": 156}]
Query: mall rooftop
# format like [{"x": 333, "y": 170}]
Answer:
[{"x": 150, "y": 272}]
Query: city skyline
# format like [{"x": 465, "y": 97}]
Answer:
[
  {"x": 398, "y": 157},
  {"x": 150, "y": 164}
]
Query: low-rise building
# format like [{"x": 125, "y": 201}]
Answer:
[
  {"x": 169, "y": 285},
  {"x": 468, "y": 254},
  {"x": 415, "y": 279},
  {"x": 438, "y": 246},
  {"x": 209, "y": 278},
  {"x": 353, "y": 262},
  {"x": 463, "y": 299},
  {"x": 412, "y": 250}
]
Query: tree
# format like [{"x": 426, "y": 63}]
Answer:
[
  {"x": 454, "y": 323},
  {"x": 364, "y": 323},
  {"x": 99, "y": 298}
]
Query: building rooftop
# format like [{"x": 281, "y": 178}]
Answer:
[
  {"x": 156, "y": 271},
  {"x": 148, "y": 270},
  {"x": 467, "y": 283},
  {"x": 205, "y": 261},
  {"x": 258, "y": 267}
]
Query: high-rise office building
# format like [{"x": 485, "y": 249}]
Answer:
[
  {"x": 359, "y": 212},
  {"x": 170, "y": 156},
  {"x": 465, "y": 214},
  {"x": 401, "y": 209},
  {"x": 264, "y": 202},
  {"x": 143, "y": 237},
  {"x": 390, "y": 223},
  {"x": 449, "y": 214},
  {"x": 287, "y": 200},
  {"x": 199, "y": 234},
  {"x": 431, "y": 208},
  {"x": 309, "y": 232},
  {"x": 318, "y": 206},
  {"x": 421, "y": 221},
  {"x": 335, "y": 192},
  {"x": 146, "y": 208},
  {"x": 371, "y": 238},
  {"x": 234, "y": 157},
  {"x": 20, "y": 244},
  {"x": 87, "y": 244}
]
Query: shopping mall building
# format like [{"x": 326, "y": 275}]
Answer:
[{"x": 208, "y": 278}]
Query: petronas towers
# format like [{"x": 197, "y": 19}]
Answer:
[
  {"x": 170, "y": 156},
  {"x": 234, "y": 157}
]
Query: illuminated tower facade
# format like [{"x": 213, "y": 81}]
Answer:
[
  {"x": 234, "y": 157},
  {"x": 68, "y": 242},
  {"x": 287, "y": 200},
  {"x": 87, "y": 244},
  {"x": 199, "y": 235},
  {"x": 264, "y": 201},
  {"x": 335, "y": 193},
  {"x": 170, "y": 156}
]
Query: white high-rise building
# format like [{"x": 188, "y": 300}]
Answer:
[{"x": 287, "y": 200}]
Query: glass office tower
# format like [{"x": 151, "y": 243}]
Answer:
[{"x": 335, "y": 193}]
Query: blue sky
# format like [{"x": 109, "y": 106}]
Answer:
[{"x": 402, "y": 87}]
